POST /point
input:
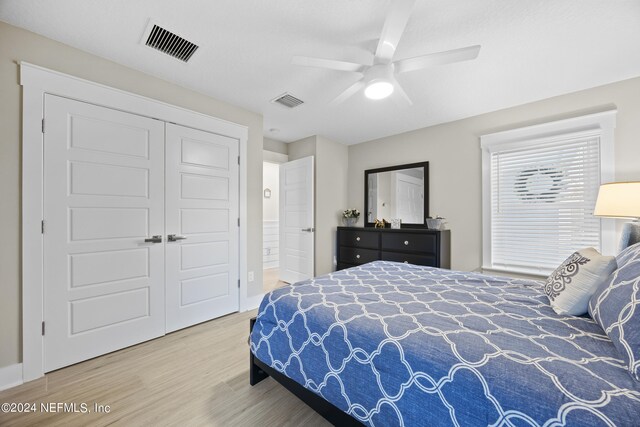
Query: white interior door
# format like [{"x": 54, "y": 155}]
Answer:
[
  {"x": 202, "y": 175},
  {"x": 296, "y": 220},
  {"x": 103, "y": 196}
]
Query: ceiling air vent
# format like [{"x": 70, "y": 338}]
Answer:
[
  {"x": 172, "y": 44},
  {"x": 287, "y": 100}
]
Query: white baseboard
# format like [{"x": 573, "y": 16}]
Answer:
[
  {"x": 253, "y": 302},
  {"x": 10, "y": 376}
]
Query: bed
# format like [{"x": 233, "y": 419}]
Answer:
[{"x": 391, "y": 344}]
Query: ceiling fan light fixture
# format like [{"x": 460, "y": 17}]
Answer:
[
  {"x": 379, "y": 81},
  {"x": 378, "y": 89}
]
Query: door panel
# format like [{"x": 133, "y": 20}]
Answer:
[
  {"x": 202, "y": 205},
  {"x": 198, "y": 255},
  {"x": 97, "y": 134},
  {"x": 108, "y": 223},
  {"x": 197, "y": 221},
  {"x": 203, "y": 288},
  {"x": 95, "y": 268},
  {"x": 103, "y": 186},
  {"x": 204, "y": 187},
  {"x": 109, "y": 310},
  {"x": 86, "y": 178},
  {"x": 296, "y": 220}
]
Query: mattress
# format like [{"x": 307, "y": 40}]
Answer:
[{"x": 396, "y": 344}]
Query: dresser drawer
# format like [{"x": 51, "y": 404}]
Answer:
[
  {"x": 342, "y": 266},
  {"x": 429, "y": 261},
  {"x": 359, "y": 239},
  {"x": 410, "y": 242},
  {"x": 357, "y": 246},
  {"x": 357, "y": 256}
]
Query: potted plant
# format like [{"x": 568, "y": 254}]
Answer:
[{"x": 350, "y": 217}]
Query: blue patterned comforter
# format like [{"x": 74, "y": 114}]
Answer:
[{"x": 395, "y": 344}]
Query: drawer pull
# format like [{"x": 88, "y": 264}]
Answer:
[
  {"x": 358, "y": 256},
  {"x": 406, "y": 243},
  {"x": 358, "y": 239}
]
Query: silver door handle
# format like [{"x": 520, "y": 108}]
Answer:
[
  {"x": 309, "y": 230},
  {"x": 175, "y": 237},
  {"x": 154, "y": 239}
]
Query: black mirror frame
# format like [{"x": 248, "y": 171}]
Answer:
[{"x": 367, "y": 172}]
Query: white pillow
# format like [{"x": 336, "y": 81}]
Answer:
[{"x": 571, "y": 285}]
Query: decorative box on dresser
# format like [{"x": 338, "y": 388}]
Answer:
[{"x": 358, "y": 245}]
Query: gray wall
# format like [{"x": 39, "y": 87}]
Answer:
[
  {"x": 20, "y": 45},
  {"x": 275, "y": 146},
  {"x": 302, "y": 148},
  {"x": 331, "y": 162},
  {"x": 455, "y": 164}
]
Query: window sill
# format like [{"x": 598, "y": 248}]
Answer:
[{"x": 515, "y": 273}]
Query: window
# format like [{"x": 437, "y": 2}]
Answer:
[{"x": 540, "y": 186}]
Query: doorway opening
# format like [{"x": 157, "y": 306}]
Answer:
[{"x": 271, "y": 219}]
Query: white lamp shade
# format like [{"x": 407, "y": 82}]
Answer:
[{"x": 619, "y": 199}]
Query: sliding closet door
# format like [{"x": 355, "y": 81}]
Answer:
[
  {"x": 202, "y": 251},
  {"x": 103, "y": 199}
]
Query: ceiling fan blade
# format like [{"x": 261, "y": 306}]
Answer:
[
  {"x": 402, "y": 93},
  {"x": 348, "y": 92},
  {"x": 393, "y": 28},
  {"x": 439, "y": 58},
  {"x": 331, "y": 64}
]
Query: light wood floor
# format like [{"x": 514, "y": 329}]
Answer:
[
  {"x": 271, "y": 279},
  {"x": 195, "y": 377}
]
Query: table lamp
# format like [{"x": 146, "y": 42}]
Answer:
[{"x": 621, "y": 200}]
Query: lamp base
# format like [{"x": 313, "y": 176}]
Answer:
[{"x": 630, "y": 234}]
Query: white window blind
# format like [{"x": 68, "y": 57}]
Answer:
[{"x": 542, "y": 200}]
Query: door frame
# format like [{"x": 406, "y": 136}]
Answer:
[{"x": 37, "y": 81}]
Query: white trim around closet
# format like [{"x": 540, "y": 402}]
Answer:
[{"x": 36, "y": 82}]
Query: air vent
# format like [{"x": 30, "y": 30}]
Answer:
[
  {"x": 287, "y": 100},
  {"x": 172, "y": 44}
]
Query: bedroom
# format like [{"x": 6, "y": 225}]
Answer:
[{"x": 529, "y": 72}]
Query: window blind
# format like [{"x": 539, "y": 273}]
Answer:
[{"x": 542, "y": 200}]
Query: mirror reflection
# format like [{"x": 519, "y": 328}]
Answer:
[{"x": 397, "y": 194}]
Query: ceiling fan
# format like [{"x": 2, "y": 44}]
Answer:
[{"x": 378, "y": 79}]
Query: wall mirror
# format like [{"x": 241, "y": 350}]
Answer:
[{"x": 397, "y": 192}]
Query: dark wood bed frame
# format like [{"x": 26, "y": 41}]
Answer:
[{"x": 258, "y": 371}]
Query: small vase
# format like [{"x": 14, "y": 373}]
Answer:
[{"x": 349, "y": 222}]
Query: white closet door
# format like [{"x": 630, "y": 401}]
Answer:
[
  {"x": 104, "y": 195},
  {"x": 202, "y": 175},
  {"x": 296, "y": 220}
]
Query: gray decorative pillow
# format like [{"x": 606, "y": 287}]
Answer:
[
  {"x": 571, "y": 285},
  {"x": 628, "y": 254}
]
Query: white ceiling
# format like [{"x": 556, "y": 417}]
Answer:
[{"x": 531, "y": 50}]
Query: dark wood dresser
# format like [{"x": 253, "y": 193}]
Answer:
[{"x": 358, "y": 245}]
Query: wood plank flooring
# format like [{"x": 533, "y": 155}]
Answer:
[
  {"x": 194, "y": 377},
  {"x": 271, "y": 279}
]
